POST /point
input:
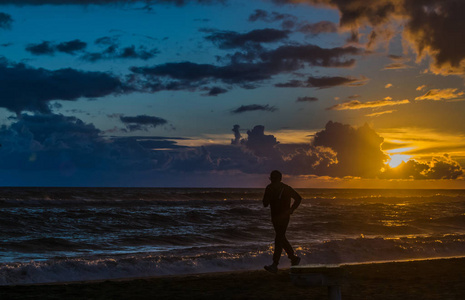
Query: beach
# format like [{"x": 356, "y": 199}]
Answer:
[{"x": 421, "y": 279}]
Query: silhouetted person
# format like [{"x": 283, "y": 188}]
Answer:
[{"x": 278, "y": 195}]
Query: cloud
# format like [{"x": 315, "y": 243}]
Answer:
[
  {"x": 41, "y": 49},
  {"x": 438, "y": 94},
  {"x": 358, "y": 149},
  {"x": 5, "y": 20},
  {"x": 49, "y": 48},
  {"x": 436, "y": 28},
  {"x": 253, "y": 107},
  {"x": 396, "y": 57},
  {"x": 388, "y": 85},
  {"x": 114, "y": 52},
  {"x": 313, "y": 55},
  {"x": 355, "y": 104},
  {"x": 396, "y": 66},
  {"x": 71, "y": 46},
  {"x": 307, "y": 99},
  {"x": 431, "y": 27},
  {"x": 421, "y": 87},
  {"x": 317, "y": 28},
  {"x": 215, "y": 91},
  {"x": 27, "y": 88},
  {"x": 376, "y": 114},
  {"x": 325, "y": 82},
  {"x": 67, "y": 151},
  {"x": 142, "y": 122},
  {"x": 261, "y": 144},
  {"x": 237, "y": 135},
  {"x": 438, "y": 168},
  {"x": 287, "y": 21},
  {"x": 266, "y": 63},
  {"x": 231, "y": 39}
]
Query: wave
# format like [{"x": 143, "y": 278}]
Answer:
[
  {"x": 45, "y": 244},
  {"x": 158, "y": 196},
  {"x": 248, "y": 256}
]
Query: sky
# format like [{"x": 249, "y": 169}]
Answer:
[{"x": 218, "y": 93}]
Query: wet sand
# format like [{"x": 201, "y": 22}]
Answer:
[{"x": 424, "y": 279}]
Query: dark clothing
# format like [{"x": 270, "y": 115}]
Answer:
[
  {"x": 278, "y": 196},
  {"x": 280, "y": 241}
]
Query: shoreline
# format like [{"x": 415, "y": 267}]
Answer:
[
  {"x": 121, "y": 279},
  {"x": 439, "y": 278}
]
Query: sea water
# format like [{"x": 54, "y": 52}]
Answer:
[{"x": 67, "y": 234}]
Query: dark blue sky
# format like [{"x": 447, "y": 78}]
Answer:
[{"x": 219, "y": 93}]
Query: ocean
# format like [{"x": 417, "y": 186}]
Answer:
[{"x": 69, "y": 234}]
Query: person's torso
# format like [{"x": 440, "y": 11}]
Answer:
[{"x": 280, "y": 198}]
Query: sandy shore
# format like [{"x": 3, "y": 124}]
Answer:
[{"x": 426, "y": 279}]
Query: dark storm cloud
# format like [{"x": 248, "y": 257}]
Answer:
[
  {"x": 287, "y": 21},
  {"x": 142, "y": 122},
  {"x": 266, "y": 64},
  {"x": 68, "y": 151},
  {"x": 253, "y": 107},
  {"x": 358, "y": 149},
  {"x": 317, "y": 28},
  {"x": 231, "y": 39},
  {"x": 262, "y": 15},
  {"x": 259, "y": 143},
  {"x": 437, "y": 28},
  {"x": 215, "y": 91},
  {"x": 433, "y": 27},
  {"x": 49, "y": 48},
  {"x": 41, "y": 49},
  {"x": 71, "y": 46},
  {"x": 261, "y": 152},
  {"x": 72, "y": 152},
  {"x": 359, "y": 154},
  {"x": 313, "y": 55},
  {"x": 237, "y": 135},
  {"x": 307, "y": 99},
  {"x": 153, "y": 142},
  {"x": 107, "y": 40},
  {"x": 114, "y": 52},
  {"x": 27, "y": 88},
  {"x": 5, "y": 20},
  {"x": 324, "y": 82}
]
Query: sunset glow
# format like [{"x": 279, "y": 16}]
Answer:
[
  {"x": 397, "y": 159},
  {"x": 224, "y": 91}
]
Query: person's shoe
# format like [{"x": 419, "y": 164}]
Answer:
[
  {"x": 272, "y": 268},
  {"x": 295, "y": 261}
]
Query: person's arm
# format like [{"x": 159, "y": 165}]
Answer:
[
  {"x": 297, "y": 199},
  {"x": 266, "y": 198}
]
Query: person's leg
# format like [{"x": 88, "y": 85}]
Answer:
[
  {"x": 281, "y": 242},
  {"x": 288, "y": 248}
]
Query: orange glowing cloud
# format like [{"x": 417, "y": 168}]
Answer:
[
  {"x": 438, "y": 94},
  {"x": 380, "y": 113},
  {"x": 355, "y": 104}
]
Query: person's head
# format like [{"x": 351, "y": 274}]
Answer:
[{"x": 275, "y": 176}]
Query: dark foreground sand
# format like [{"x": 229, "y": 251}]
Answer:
[{"x": 428, "y": 279}]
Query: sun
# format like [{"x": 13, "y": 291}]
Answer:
[{"x": 397, "y": 159}]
